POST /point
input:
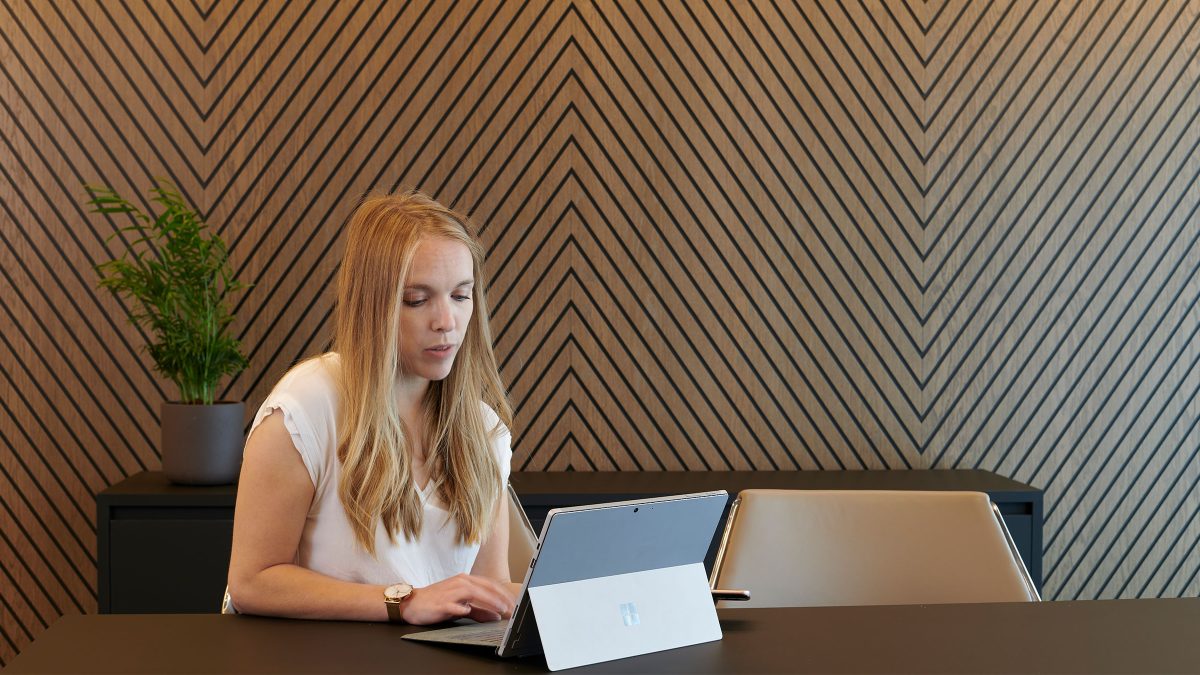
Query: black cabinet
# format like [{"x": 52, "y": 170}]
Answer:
[{"x": 164, "y": 548}]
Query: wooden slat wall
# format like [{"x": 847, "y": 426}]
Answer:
[{"x": 784, "y": 234}]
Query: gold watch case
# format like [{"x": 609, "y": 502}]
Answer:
[{"x": 393, "y": 596}]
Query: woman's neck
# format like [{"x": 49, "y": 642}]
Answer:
[
  {"x": 410, "y": 400},
  {"x": 410, "y": 394}
]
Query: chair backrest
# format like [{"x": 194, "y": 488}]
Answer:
[
  {"x": 522, "y": 543},
  {"x": 522, "y": 540},
  {"x": 864, "y": 547}
]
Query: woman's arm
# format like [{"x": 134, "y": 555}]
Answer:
[
  {"x": 274, "y": 495},
  {"x": 492, "y": 560}
]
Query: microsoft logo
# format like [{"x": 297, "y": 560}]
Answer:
[{"x": 629, "y": 614}]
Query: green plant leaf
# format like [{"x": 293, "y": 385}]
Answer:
[{"x": 177, "y": 277}]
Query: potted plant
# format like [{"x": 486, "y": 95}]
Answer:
[{"x": 175, "y": 274}]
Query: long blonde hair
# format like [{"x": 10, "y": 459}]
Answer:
[{"x": 374, "y": 447}]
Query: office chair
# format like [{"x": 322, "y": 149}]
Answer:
[
  {"x": 794, "y": 548},
  {"x": 522, "y": 543},
  {"x": 522, "y": 540}
]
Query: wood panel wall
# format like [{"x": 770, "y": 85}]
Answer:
[{"x": 769, "y": 234}]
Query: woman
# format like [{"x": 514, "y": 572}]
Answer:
[{"x": 372, "y": 481}]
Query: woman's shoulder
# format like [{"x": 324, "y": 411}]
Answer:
[
  {"x": 501, "y": 437},
  {"x": 311, "y": 382},
  {"x": 314, "y": 371},
  {"x": 491, "y": 420}
]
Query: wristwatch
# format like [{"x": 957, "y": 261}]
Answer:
[{"x": 392, "y": 597}]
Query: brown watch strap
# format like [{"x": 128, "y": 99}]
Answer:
[{"x": 393, "y": 610}]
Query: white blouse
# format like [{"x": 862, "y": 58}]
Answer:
[{"x": 307, "y": 397}]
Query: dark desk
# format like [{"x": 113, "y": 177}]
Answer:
[{"x": 1112, "y": 636}]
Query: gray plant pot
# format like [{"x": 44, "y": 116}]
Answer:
[{"x": 202, "y": 444}]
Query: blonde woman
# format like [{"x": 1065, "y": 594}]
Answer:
[{"x": 372, "y": 481}]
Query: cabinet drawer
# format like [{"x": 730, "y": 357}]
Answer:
[{"x": 173, "y": 566}]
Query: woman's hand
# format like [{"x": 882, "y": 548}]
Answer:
[{"x": 464, "y": 595}]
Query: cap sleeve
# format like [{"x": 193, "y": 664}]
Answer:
[{"x": 306, "y": 399}]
